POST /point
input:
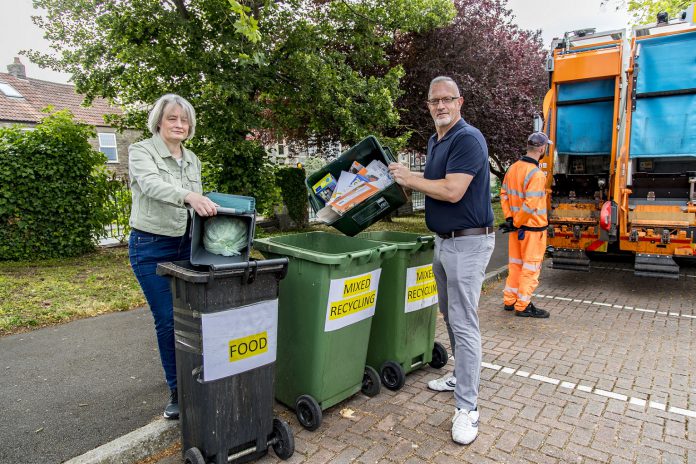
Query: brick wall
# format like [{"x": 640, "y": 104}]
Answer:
[{"x": 123, "y": 141}]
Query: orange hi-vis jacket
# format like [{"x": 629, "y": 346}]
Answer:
[
  {"x": 523, "y": 198},
  {"x": 523, "y": 195}
]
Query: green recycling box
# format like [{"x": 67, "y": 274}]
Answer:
[
  {"x": 402, "y": 337},
  {"x": 325, "y": 309},
  {"x": 372, "y": 209}
]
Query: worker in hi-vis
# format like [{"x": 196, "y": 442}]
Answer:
[{"x": 523, "y": 200}]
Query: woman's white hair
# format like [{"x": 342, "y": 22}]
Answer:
[{"x": 157, "y": 111}]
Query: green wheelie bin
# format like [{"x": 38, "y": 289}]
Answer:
[
  {"x": 402, "y": 337},
  {"x": 325, "y": 309}
]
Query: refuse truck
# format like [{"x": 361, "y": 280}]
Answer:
[
  {"x": 656, "y": 172},
  {"x": 582, "y": 112}
]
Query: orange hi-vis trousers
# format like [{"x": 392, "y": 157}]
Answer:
[{"x": 524, "y": 267}]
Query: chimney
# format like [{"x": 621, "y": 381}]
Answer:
[{"x": 17, "y": 69}]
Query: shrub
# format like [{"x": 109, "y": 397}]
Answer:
[
  {"x": 52, "y": 188},
  {"x": 292, "y": 186},
  {"x": 242, "y": 168}
]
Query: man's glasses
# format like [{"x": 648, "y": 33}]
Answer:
[{"x": 445, "y": 100}]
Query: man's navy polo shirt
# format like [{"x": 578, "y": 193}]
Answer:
[{"x": 462, "y": 150}]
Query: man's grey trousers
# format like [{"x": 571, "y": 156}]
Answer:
[{"x": 459, "y": 266}]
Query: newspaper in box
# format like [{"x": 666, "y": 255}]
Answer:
[{"x": 352, "y": 188}]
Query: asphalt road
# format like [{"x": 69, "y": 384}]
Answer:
[{"x": 67, "y": 389}]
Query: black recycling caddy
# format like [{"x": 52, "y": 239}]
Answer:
[
  {"x": 225, "y": 323},
  {"x": 371, "y": 210}
]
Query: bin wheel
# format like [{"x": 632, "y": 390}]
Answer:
[
  {"x": 284, "y": 446},
  {"x": 439, "y": 356},
  {"x": 393, "y": 375},
  {"x": 194, "y": 456},
  {"x": 308, "y": 412},
  {"x": 370, "y": 383}
]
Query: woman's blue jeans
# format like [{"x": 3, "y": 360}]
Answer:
[{"x": 146, "y": 251}]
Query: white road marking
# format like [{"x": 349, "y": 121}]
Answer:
[
  {"x": 596, "y": 391},
  {"x": 609, "y": 394},
  {"x": 610, "y": 305}
]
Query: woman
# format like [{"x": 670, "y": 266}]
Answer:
[{"x": 165, "y": 183}]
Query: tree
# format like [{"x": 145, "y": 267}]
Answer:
[
  {"x": 296, "y": 68},
  {"x": 645, "y": 11},
  {"x": 499, "y": 69}
]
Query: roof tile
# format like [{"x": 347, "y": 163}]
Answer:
[{"x": 38, "y": 94}]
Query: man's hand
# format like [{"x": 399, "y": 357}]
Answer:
[
  {"x": 204, "y": 206},
  {"x": 401, "y": 173},
  {"x": 507, "y": 226}
]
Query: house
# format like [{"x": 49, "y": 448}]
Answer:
[{"x": 22, "y": 100}]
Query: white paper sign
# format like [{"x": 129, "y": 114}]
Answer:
[
  {"x": 238, "y": 340},
  {"x": 351, "y": 300},
  {"x": 421, "y": 291}
]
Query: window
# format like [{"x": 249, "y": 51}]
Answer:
[
  {"x": 281, "y": 149},
  {"x": 9, "y": 91},
  {"x": 107, "y": 145}
]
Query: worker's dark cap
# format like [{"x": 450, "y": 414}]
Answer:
[{"x": 538, "y": 139}]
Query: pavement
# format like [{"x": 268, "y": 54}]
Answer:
[{"x": 608, "y": 378}]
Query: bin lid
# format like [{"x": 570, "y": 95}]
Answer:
[
  {"x": 403, "y": 240},
  {"x": 240, "y": 204},
  {"x": 187, "y": 272},
  {"x": 325, "y": 248}
]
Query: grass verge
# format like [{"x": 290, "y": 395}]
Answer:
[{"x": 34, "y": 294}]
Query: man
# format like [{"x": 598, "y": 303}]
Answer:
[
  {"x": 523, "y": 200},
  {"x": 456, "y": 184}
]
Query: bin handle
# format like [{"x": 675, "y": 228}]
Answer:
[
  {"x": 251, "y": 268},
  {"x": 387, "y": 251},
  {"x": 362, "y": 256},
  {"x": 245, "y": 264},
  {"x": 222, "y": 209},
  {"x": 425, "y": 241}
]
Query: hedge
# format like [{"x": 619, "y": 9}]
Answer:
[{"x": 52, "y": 190}]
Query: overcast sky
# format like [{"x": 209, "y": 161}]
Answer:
[{"x": 553, "y": 17}]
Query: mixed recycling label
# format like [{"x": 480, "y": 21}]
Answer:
[
  {"x": 421, "y": 290},
  {"x": 238, "y": 340},
  {"x": 351, "y": 300}
]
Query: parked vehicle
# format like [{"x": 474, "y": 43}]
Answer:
[
  {"x": 582, "y": 111},
  {"x": 656, "y": 171}
]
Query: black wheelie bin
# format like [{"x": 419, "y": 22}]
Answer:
[{"x": 226, "y": 325}]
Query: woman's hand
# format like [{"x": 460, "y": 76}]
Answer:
[{"x": 204, "y": 206}]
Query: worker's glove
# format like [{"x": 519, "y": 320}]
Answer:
[{"x": 507, "y": 226}]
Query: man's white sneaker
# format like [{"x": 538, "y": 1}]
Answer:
[
  {"x": 464, "y": 426},
  {"x": 443, "y": 384}
]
